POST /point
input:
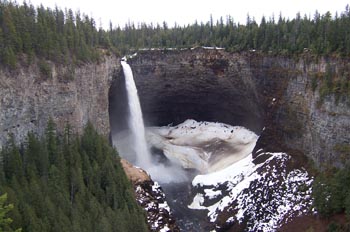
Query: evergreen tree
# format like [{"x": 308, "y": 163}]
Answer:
[
  {"x": 12, "y": 161},
  {"x": 4, "y": 210},
  {"x": 68, "y": 184},
  {"x": 73, "y": 38}
]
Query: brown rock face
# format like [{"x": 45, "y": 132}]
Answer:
[
  {"x": 150, "y": 196},
  {"x": 136, "y": 175}
]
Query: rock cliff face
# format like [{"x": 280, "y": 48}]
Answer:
[
  {"x": 325, "y": 126},
  {"x": 296, "y": 116},
  {"x": 249, "y": 89},
  {"x": 28, "y": 99}
]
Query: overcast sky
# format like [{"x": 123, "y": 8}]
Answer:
[{"x": 187, "y": 11}]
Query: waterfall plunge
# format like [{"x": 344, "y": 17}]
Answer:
[
  {"x": 158, "y": 171},
  {"x": 143, "y": 156}
]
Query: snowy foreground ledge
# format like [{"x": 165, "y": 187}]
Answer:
[{"x": 262, "y": 196}]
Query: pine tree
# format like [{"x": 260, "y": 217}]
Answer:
[
  {"x": 12, "y": 161},
  {"x": 83, "y": 189},
  {"x": 4, "y": 210}
]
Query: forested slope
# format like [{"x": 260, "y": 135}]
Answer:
[{"x": 68, "y": 183}]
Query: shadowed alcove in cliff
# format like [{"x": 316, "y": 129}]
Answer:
[{"x": 175, "y": 86}]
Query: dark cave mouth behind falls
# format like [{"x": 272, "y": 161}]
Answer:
[
  {"x": 172, "y": 100},
  {"x": 175, "y": 95},
  {"x": 165, "y": 102}
]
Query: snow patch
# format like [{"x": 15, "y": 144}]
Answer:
[
  {"x": 263, "y": 195},
  {"x": 165, "y": 229},
  {"x": 197, "y": 202},
  {"x": 211, "y": 194},
  {"x": 152, "y": 199}
]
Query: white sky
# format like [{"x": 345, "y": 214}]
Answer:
[{"x": 187, "y": 11}]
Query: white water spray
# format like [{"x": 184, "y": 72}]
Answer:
[{"x": 143, "y": 156}]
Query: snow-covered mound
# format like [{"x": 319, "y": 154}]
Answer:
[
  {"x": 205, "y": 146},
  {"x": 259, "y": 194}
]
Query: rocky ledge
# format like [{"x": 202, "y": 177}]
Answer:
[{"x": 151, "y": 198}]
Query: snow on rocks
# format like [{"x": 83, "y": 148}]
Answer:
[
  {"x": 205, "y": 146},
  {"x": 151, "y": 197},
  {"x": 257, "y": 193},
  {"x": 261, "y": 196}
]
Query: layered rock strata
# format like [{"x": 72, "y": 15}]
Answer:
[{"x": 28, "y": 98}]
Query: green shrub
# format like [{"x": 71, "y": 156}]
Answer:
[
  {"x": 334, "y": 227},
  {"x": 45, "y": 69},
  {"x": 332, "y": 193}
]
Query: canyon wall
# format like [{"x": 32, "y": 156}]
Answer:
[
  {"x": 297, "y": 117},
  {"x": 271, "y": 95},
  {"x": 29, "y": 98}
]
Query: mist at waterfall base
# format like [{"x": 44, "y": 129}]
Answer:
[
  {"x": 179, "y": 152},
  {"x": 132, "y": 144}
]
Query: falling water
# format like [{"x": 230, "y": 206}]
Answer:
[{"x": 143, "y": 157}]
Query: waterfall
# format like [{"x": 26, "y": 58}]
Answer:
[
  {"x": 143, "y": 156},
  {"x": 158, "y": 171}
]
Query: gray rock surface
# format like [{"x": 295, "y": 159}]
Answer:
[
  {"x": 324, "y": 124},
  {"x": 27, "y": 100},
  {"x": 248, "y": 89}
]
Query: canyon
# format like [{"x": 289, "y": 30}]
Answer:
[
  {"x": 272, "y": 96},
  {"x": 252, "y": 90}
]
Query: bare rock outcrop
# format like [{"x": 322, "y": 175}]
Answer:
[
  {"x": 151, "y": 198},
  {"x": 28, "y": 98}
]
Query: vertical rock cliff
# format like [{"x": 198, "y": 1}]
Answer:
[
  {"x": 248, "y": 89},
  {"x": 318, "y": 125},
  {"x": 29, "y": 98},
  {"x": 297, "y": 117}
]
